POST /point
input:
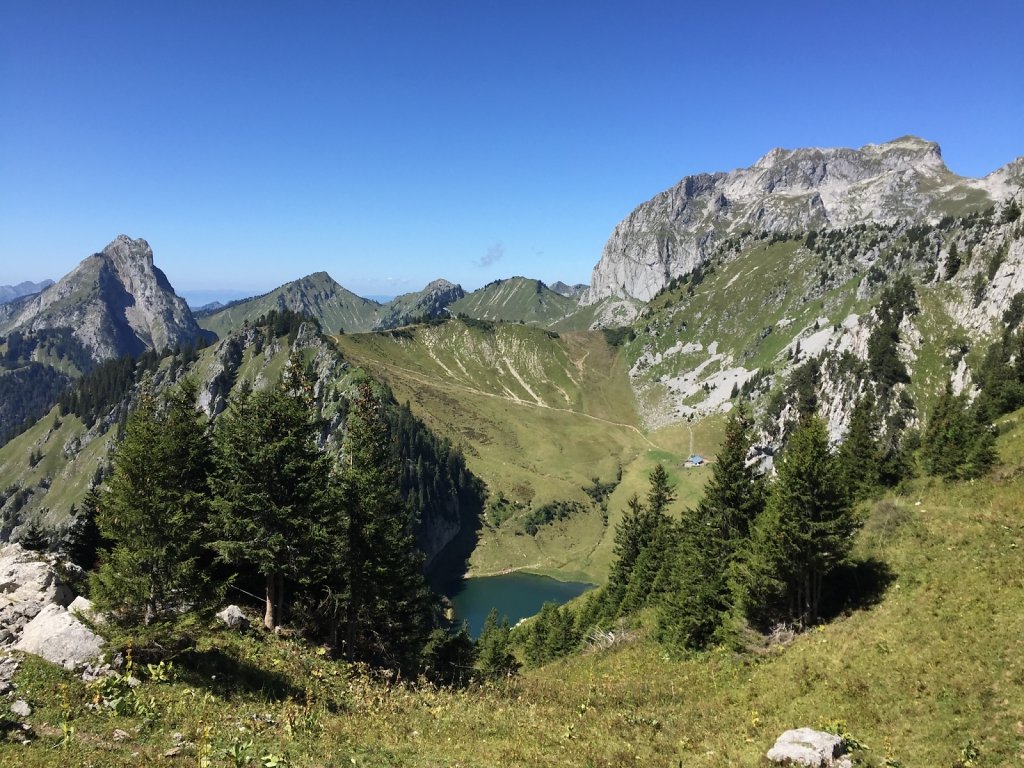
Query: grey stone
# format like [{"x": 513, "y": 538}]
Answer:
[
  {"x": 810, "y": 748},
  {"x": 234, "y": 617},
  {"x": 59, "y": 637},
  {"x": 21, "y": 708}
]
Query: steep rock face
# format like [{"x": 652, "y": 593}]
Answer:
[
  {"x": 785, "y": 191},
  {"x": 432, "y": 302},
  {"x": 116, "y": 302}
]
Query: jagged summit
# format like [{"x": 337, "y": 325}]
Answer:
[
  {"x": 115, "y": 302},
  {"x": 787, "y": 190}
]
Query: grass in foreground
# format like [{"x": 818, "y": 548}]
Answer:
[{"x": 932, "y": 674}]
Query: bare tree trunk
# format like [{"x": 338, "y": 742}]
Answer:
[{"x": 268, "y": 616}]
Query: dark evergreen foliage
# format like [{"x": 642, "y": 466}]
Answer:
[
  {"x": 388, "y": 608},
  {"x": 106, "y": 386},
  {"x": 804, "y": 533},
  {"x": 958, "y": 442},
  {"x": 272, "y": 490},
  {"x": 550, "y": 635},
  {"x": 494, "y": 656},
  {"x": 83, "y": 540},
  {"x": 154, "y": 575},
  {"x": 696, "y": 606},
  {"x": 34, "y": 538}
]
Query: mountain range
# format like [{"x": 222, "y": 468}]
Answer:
[{"x": 753, "y": 287}]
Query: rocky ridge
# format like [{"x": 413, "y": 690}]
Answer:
[
  {"x": 786, "y": 191},
  {"x": 26, "y": 288},
  {"x": 116, "y": 302}
]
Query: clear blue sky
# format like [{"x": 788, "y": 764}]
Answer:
[{"x": 390, "y": 143}]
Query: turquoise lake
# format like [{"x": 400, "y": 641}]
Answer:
[{"x": 515, "y": 595}]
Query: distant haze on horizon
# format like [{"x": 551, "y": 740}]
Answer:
[{"x": 393, "y": 143}]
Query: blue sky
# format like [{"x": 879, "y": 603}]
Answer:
[{"x": 390, "y": 143}]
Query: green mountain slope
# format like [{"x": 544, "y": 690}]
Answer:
[
  {"x": 539, "y": 415},
  {"x": 317, "y": 296},
  {"x": 516, "y": 299},
  {"x": 47, "y": 470}
]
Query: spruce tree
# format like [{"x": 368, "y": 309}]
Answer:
[
  {"x": 388, "y": 606},
  {"x": 860, "y": 455},
  {"x": 494, "y": 657},
  {"x": 641, "y": 540},
  {"x": 699, "y": 597},
  {"x": 958, "y": 443},
  {"x": 805, "y": 531},
  {"x": 34, "y": 538},
  {"x": 83, "y": 541},
  {"x": 154, "y": 515},
  {"x": 272, "y": 489}
]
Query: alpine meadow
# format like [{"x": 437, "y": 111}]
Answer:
[{"x": 752, "y": 496}]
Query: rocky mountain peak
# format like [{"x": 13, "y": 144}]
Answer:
[
  {"x": 115, "y": 302},
  {"x": 787, "y": 190}
]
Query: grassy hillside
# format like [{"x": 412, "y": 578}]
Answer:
[
  {"x": 515, "y": 299},
  {"x": 932, "y": 674},
  {"x": 316, "y": 295},
  {"x": 539, "y": 415}
]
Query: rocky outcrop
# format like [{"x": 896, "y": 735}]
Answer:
[
  {"x": 234, "y": 618},
  {"x": 784, "y": 191},
  {"x": 116, "y": 302},
  {"x": 38, "y": 613},
  {"x": 58, "y": 636},
  {"x": 432, "y": 302},
  {"x": 811, "y": 748}
]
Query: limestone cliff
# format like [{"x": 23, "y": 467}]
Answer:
[
  {"x": 115, "y": 302},
  {"x": 786, "y": 191}
]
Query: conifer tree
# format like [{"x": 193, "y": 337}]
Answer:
[
  {"x": 154, "y": 514},
  {"x": 699, "y": 597},
  {"x": 83, "y": 540},
  {"x": 860, "y": 454},
  {"x": 272, "y": 488},
  {"x": 957, "y": 443},
  {"x": 641, "y": 539},
  {"x": 34, "y": 538},
  {"x": 388, "y": 604},
  {"x": 494, "y": 657},
  {"x": 805, "y": 531},
  {"x": 551, "y": 635}
]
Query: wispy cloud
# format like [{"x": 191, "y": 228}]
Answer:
[{"x": 493, "y": 255}]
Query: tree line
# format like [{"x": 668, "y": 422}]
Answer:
[{"x": 193, "y": 508}]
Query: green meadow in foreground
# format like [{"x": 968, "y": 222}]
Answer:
[{"x": 932, "y": 674}]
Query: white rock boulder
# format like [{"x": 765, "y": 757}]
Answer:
[
  {"x": 57, "y": 636},
  {"x": 811, "y": 748}
]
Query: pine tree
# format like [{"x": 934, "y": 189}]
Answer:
[
  {"x": 805, "y": 531},
  {"x": 154, "y": 514},
  {"x": 958, "y": 443},
  {"x": 860, "y": 455},
  {"x": 388, "y": 606},
  {"x": 83, "y": 540},
  {"x": 641, "y": 538},
  {"x": 699, "y": 598},
  {"x": 494, "y": 657},
  {"x": 33, "y": 538},
  {"x": 551, "y": 635},
  {"x": 273, "y": 490}
]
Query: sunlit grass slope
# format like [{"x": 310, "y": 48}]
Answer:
[
  {"x": 539, "y": 415},
  {"x": 934, "y": 670}
]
